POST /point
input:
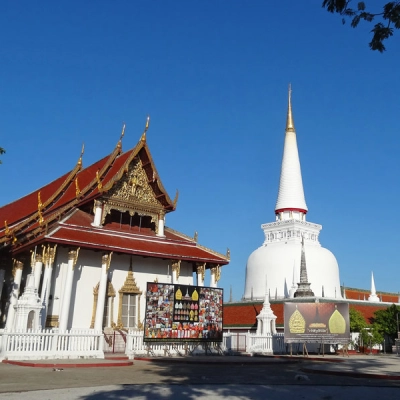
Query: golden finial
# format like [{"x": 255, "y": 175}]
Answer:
[
  {"x": 123, "y": 132},
  {"x": 289, "y": 120},
  {"x": 143, "y": 138},
  {"x": 175, "y": 202},
  {"x": 80, "y": 157},
  {"x": 99, "y": 184},
  {"x": 41, "y": 220},
  {"x": 228, "y": 254},
  {"x": 196, "y": 236},
  {"x": 40, "y": 204},
  {"x": 6, "y": 229},
  {"x": 77, "y": 190}
]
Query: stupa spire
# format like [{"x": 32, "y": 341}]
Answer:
[
  {"x": 373, "y": 297},
  {"x": 289, "y": 119},
  {"x": 291, "y": 203},
  {"x": 303, "y": 289}
]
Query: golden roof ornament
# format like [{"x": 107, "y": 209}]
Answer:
[
  {"x": 77, "y": 190},
  {"x": 99, "y": 184},
  {"x": 143, "y": 138},
  {"x": 175, "y": 201},
  {"x": 119, "y": 144},
  {"x": 196, "y": 236},
  {"x": 7, "y": 231},
  {"x": 80, "y": 157},
  {"x": 289, "y": 120},
  {"x": 40, "y": 204}
]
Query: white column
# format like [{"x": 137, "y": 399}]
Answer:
[
  {"x": 101, "y": 297},
  {"x": 161, "y": 224},
  {"x": 17, "y": 273},
  {"x": 37, "y": 270},
  {"x": 48, "y": 259},
  {"x": 66, "y": 299},
  {"x": 201, "y": 269},
  {"x": 215, "y": 276},
  {"x": 176, "y": 270},
  {"x": 98, "y": 213}
]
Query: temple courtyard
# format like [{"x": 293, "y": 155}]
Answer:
[{"x": 213, "y": 377}]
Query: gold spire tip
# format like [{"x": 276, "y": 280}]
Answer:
[
  {"x": 289, "y": 120},
  {"x": 143, "y": 138},
  {"x": 123, "y": 131}
]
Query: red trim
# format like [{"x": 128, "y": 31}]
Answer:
[{"x": 290, "y": 209}]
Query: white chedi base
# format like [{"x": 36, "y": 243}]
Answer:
[
  {"x": 281, "y": 253},
  {"x": 28, "y": 308}
]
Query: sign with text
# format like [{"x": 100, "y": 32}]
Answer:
[
  {"x": 316, "y": 322},
  {"x": 183, "y": 313}
]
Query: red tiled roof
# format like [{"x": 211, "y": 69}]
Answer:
[
  {"x": 77, "y": 230},
  {"x": 244, "y": 314},
  {"x": 359, "y": 294},
  {"x": 61, "y": 192}
]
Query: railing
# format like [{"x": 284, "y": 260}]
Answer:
[
  {"x": 269, "y": 343},
  {"x": 136, "y": 346},
  {"x": 50, "y": 343}
]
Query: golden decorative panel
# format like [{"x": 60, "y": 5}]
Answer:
[{"x": 134, "y": 187}]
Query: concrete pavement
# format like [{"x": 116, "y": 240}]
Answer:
[{"x": 211, "y": 377}]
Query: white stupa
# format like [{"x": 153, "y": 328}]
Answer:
[{"x": 279, "y": 257}]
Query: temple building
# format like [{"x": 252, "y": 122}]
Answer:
[
  {"x": 279, "y": 257},
  {"x": 79, "y": 250}
]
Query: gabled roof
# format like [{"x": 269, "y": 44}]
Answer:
[
  {"x": 77, "y": 230},
  {"x": 32, "y": 213}
]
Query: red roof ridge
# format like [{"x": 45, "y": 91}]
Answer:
[{"x": 216, "y": 253}]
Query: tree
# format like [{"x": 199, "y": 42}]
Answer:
[
  {"x": 357, "y": 320},
  {"x": 2, "y": 151},
  {"x": 371, "y": 337},
  {"x": 389, "y": 18},
  {"x": 386, "y": 321}
]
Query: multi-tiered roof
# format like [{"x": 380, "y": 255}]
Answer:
[{"x": 133, "y": 200}]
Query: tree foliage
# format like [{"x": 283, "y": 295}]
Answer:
[
  {"x": 2, "y": 151},
  {"x": 387, "y": 19},
  {"x": 357, "y": 320},
  {"x": 371, "y": 336},
  {"x": 386, "y": 321}
]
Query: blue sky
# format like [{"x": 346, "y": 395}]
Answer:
[{"x": 213, "y": 76}]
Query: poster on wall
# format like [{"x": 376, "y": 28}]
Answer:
[
  {"x": 183, "y": 313},
  {"x": 316, "y": 322}
]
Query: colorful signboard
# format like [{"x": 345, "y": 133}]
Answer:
[
  {"x": 177, "y": 313},
  {"x": 316, "y": 322}
]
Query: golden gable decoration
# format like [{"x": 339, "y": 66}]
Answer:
[{"x": 134, "y": 187}]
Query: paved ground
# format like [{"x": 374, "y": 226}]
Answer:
[{"x": 233, "y": 378}]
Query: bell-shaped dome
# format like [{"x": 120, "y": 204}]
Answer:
[{"x": 280, "y": 262}]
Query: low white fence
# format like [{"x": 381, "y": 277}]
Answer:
[
  {"x": 51, "y": 344},
  {"x": 232, "y": 343},
  {"x": 136, "y": 346}
]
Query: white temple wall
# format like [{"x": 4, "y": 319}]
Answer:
[
  {"x": 87, "y": 273},
  {"x": 86, "y": 276}
]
